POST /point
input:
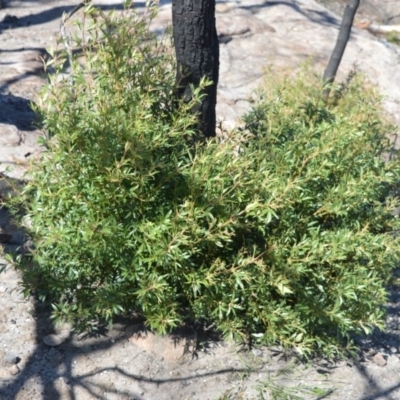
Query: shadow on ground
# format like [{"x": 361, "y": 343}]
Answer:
[
  {"x": 320, "y": 17},
  {"x": 10, "y": 21},
  {"x": 51, "y": 369},
  {"x": 17, "y": 111}
]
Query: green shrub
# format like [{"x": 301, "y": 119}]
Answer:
[{"x": 281, "y": 233}]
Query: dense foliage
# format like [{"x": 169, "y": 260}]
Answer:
[{"x": 282, "y": 232}]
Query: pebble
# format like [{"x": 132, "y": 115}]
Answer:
[
  {"x": 14, "y": 370},
  {"x": 257, "y": 352},
  {"x": 379, "y": 359},
  {"x": 11, "y": 359},
  {"x": 53, "y": 340}
]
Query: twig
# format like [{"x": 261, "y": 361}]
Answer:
[{"x": 64, "y": 19}]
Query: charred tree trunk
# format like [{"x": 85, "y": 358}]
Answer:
[
  {"x": 341, "y": 43},
  {"x": 197, "y": 53}
]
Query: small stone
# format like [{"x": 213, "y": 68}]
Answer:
[
  {"x": 14, "y": 370},
  {"x": 11, "y": 359},
  {"x": 379, "y": 359},
  {"x": 257, "y": 352},
  {"x": 27, "y": 222},
  {"x": 54, "y": 340}
]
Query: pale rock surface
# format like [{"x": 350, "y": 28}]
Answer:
[
  {"x": 379, "y": 359},
  {"x": 9, "y": 135},
  {"x": 118, "y": 364},
  {"x": 283, "y": 35},
  {"x": 255, "y": 35}
]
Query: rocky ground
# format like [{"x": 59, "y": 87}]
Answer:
[{"x": 39, "y": 362}]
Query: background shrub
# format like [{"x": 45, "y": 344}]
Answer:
[{"x": 283, "y": 232}]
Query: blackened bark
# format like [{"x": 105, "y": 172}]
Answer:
[
  {"x": 341, "y": 43},
  {"x": 197, "y": 53}
]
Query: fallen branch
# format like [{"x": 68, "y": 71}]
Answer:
[
  {"x": 383, "y": 29},
  {"x": 377, "y": 29}
]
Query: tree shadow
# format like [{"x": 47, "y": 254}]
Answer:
[
  {"x": 48, "y": 368},
  {"x": 377, "y": 392},
  {"x": 12, "y": 22},
  {"x": 386, "y": 342},
  {"x": 320, "y": 17}
]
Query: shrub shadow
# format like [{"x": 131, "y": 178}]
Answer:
[
  {"x": 16, "y": 110},
  {"x": 42, "y": 366},
  {"x": 49, "y": 368}
]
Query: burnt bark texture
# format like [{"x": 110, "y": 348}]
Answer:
[
  {"x": 341, "y": 43},
  {"x": 197, "y": 53}
]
